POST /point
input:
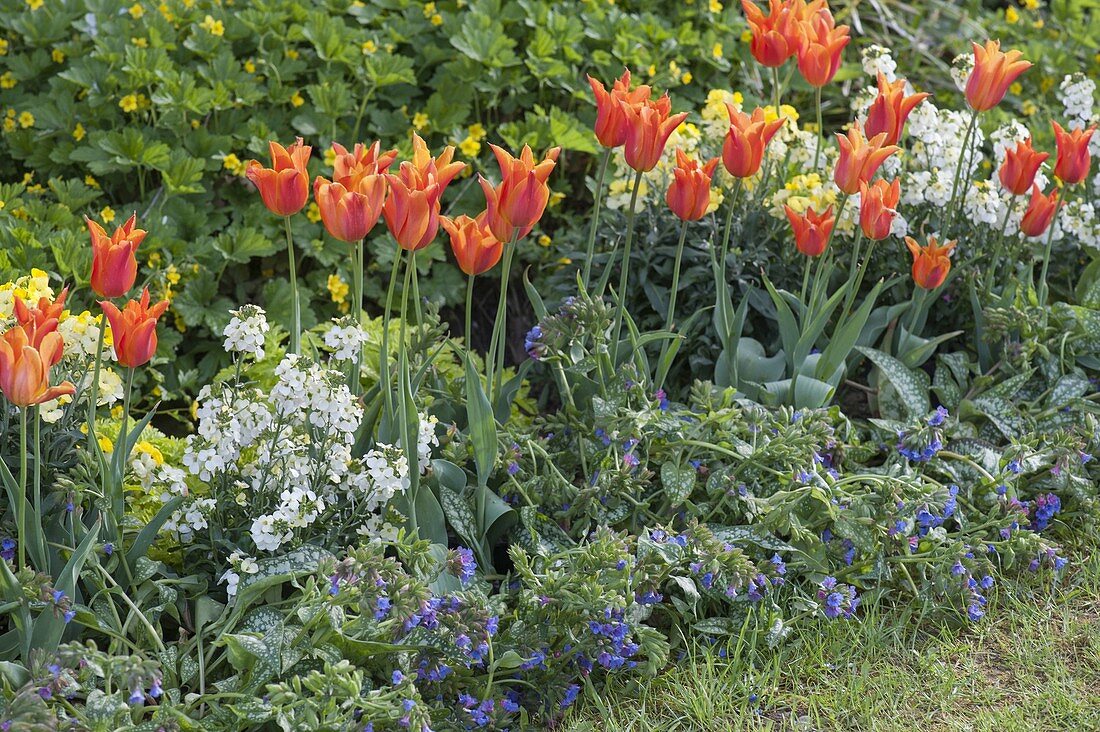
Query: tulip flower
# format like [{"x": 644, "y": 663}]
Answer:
[
  {"x": 1040, "y": 212},
  {"x": 518, "y": 202},
  {"x": 890, "y": 109},
  {"x": 472, "y": 242},
  {"x": 349, "y": 215},
  {"x": 1020, "y": 165},
  {"x": 859, "y": 158},
  {"x": 689, "y": 194},
  {"x": 877, "y": 208},
  {"x": 412, "y": 208},
  {"x": 114, "y": 262},
  {"x": 1073, "y": 160},
  {"x": 811, "y": 230},
  {"x": 775, "y": 36},
  {"x": 38, "y": 321},
  {"x": 350, "y": 168},
  {"x": 931, "y": 263},
  {"x": 821, "y": 49},
  {"x": 440, "y": 168},
  {"x": 284, "y": 187},
  {"x": 25, "y": 368},
  {"x": 994, "y": 71},
  {"x": 610, "y": 121},
  {"x": 743, "y": 148},
  {"x": 134, "y": 329},
  {"x": 648, "y": 126}
]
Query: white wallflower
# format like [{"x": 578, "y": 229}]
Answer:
[
  {"x": 877, "y": 60},
  {"x": 246, "y": 330},
  {"x": 346, "y": 339}
]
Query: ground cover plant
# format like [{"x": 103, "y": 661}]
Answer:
[{"x": 685, "y": 374}]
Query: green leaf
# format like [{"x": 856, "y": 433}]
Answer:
[
  {"x": 912, "y": 385},
  {"x": 678, "y": 482},
  {"x": 481, "y": 424}
]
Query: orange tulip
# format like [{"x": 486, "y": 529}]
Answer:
[
  {"x": 25, "y": 368},
  {"x": 1072, "y": 164},
  {"x": 440, "y": 168},
  {"x": 514, "y": 206},
  {"x": 860, "y": 158},
  {"x": 775, "y": 36},
  {"x": 648, "y": 126},
  {"x": 743, "y": 148},
  {"x": 877, "y": 207},
  {"x": 610, "y": 120},
  {"x": 412, "y": 208},
  {"x": 821, "y": 49},
  {"x": 689, "y": 194},
  {"x": 284, "y": 187},
  {"x": 474, "y": 245},
  {"x": 1020, "y": 165},
  {"x": 349, "y": 169},
  {"x": 891, "y": 109},
  {"x": 931, "y": 262},
  {"x": 348, "y": 214},
  {"x": 994, "y": 71},
  {"x": 114, "y": 262},
  {"x": 1040, "y": 211},
  {"x": 38, "y": 321},
  {"x": 811, "y": 230},
  {"x": 134, "y": 329}
]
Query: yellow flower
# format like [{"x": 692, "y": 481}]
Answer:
[
  {"x": 292, "y": 53},
  {"x": 746, "y": 36},
  {"x": 337, "y": 288},
  {"x": 477, "y": 131},
  {"x": 154, "y": 259},
  {"x": 673, "y": 68},
  {"x": 104, "y": 444},
  {"x": 565, "y": 261},
  {"x": 136, "y": 11},
  {"x": 715, "y": 6},
  {"x": 429, "y": 10},
  {"x": 297, "y": 100},
  {"x": 57, "y": 55},
  {"x": 107, "y": 215},
  {"x": 213, "y": 27},
  {"x": 436, "y": 19},
  {"x": 233, "y": 164},
  {"x": 470, "y": 147},
  {"x": 35, "y": 4},
  {"x": 369, "y": 47},
  {"x": 1029, "y": 108},
  {"x": 4, "y": 46},
  {"x": 1016, "y": 87},
  {"x": 172, "y": 275},
  {"x": 652, "y": 70},
  {"x": 1046, "y": 84},
  {"x": 545, "y": 241},
  {"x": 686, "y": 78},
  {"x": 1011, "y": 14},
  {"x": 166, "y": 12},
  {"x": 1031, "y": 4},
  {"x": 151, "y": 450},
  {"x": 116, "y": 411},
  {"x": 195, "y": 409},
  {"x": 555, "y": 198},
  {"x": 313, "y": 212},
  {"x": 129, "y": 103},
  {"x": 140, "y": 42},
  {"x": 716, "y": 51},
  {"x": 26, "y": 119},
  {"x": 330, "y": 157},
  {"x": 78, "y": 132},
  {"x": 420, "y": 121},
  {"x": 250, "y": 66},
  {"x": 7, "y": 80},
  {"x": 1038, "y": 23}
]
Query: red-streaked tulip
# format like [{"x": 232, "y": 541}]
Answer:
[
  {"x": 1020, "y": 165},
  {"x": 811, "y": 230},
  {"x": 134, "y": 329},
  {"x": 284, "y": 187},
  {"x": 114, "y": 259},
  {"x": 610, "y": 124},
  {"x": 1040, "y": 211},
  {"x": 743, "y": 148},
  {"x": 775, "y": 36},
  {"x": 514, "y": 206},
  {"x": 931, "y": 263},
  {"x": 890, "y": 109},
  {"x": 412, "y": 208},
  {"x": 689, "y": 194},
  {"x": 348, "y": 214},
  {"x": 648, "y": 126},
  {"x": 994, "y": 71},
  {"x": 350, "y": 168},
  {"x": 859, "y": 158},
  {"x": 440, "y": 168},
  {"x": 38, "y": 321},
  {"x": 821, "y": 50},
  {"x": 878, "y": 207},
  {"x": 25, "y": 368},
  {"x": 1073, "y": 159},
  {"x": 473, "y": 243}
]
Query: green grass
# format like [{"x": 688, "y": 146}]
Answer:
[{"x": 1032, "y": 664}]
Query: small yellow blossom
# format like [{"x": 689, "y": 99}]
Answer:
[
  {"x": 79, "y": 132},
  {"x": 330, "y": 157},
  {"x": 116, "y": 411},
  {"x": 715, "y": 6},
  {"x": 250, "y": 66},
  {"x": 35, "y": 4},
  {"x": 1031, "y": 4},
  {"x": 213, "y": 27},
  {"x": 57, "y": 55},
  {"x": 154, "y": 259},
  {"x": 1046, "y": 84},
  {"x": 1016, "y": 88},
  {"x": 565, "y": 261},
  {"x": 129, "y": 103},
  {"x": 1029, "y": 108},
  {"x": 470, "y": 147},
  {"x": 26, "y": 119},
  {"x": 369, "y": 47},
  {"x": 136, "y": 11},
  {"x": 166, "y": 12},
  {"x": 107, "y": 215},
  {"x": 338, "y": 288},
  {"x": 140, "y": 42},
  {"x": 555, "y": 198},
  {"x": 233, "y": 164},
  {"x": 313, "y": 212},
  {"x": 292, "y": 53},
  {"x": 436, "y": 19},
  {"x": 104, "y": 444},
  {"x": 297, "y": 100},
  {"x": 429, "y": 10},
  {"x": 7, "y": 80},
  {"x": 172, "y": 275},
  {"x": 147, "y": 448},
  {"x": 1038, "y": 23},
  {"x": 746, "y": 36},
  {"x": 1012, "y": 15},
  {"x": 545, "y": 241},
  {"x": 652, "y": 70},
  {"x": 686, "y": 78},
  {"x": 716, "y": 51},
  {"x": 4, "y": 46},
  {"x": 477, "y": 131},
  {"x": 420, "y": 121}
]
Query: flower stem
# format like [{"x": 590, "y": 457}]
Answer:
[
  {"x": 357, "y": 303},
  {"x": 21, "y": 506},
  {"x": 469, "y": 313},
  {"x": 497, "y": 344},
  {"x": 296, "y": 328},
  {"x": 1001, "y": 251},
  {"x": 38, "y": 487},
  {"x": 820, "y": 131},
  {"x": 94, "y": 396},
  {"x": 591, "y": 251},
  {"x": 385, "y": 382},
  {"x": 670, "y": 318},
  {"x": 729, "y": 223},
  {"x": 949, "y": 217},
  {"x": 1043, "y": 288},
  {"x": 625, "y": 269}
]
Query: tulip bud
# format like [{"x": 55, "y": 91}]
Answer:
[
  {"x": 134, "y": 329},
  {"x": 811, "y": 230},
  {"x": 114, "y": 262},
  {"x": 284, "y": 187},
  {"x": 931, "y": 262}
]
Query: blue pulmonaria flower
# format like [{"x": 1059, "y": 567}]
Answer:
[
  {"x": 602, "y": 436},
  {"x": 938, "y": 418},
  {"x": 1045, "y": 507},
  {"x": 334, "y": 585},
  {"x": 650, "y": 597},
  {"x": 492, "y": 625},
  {"x": 137, "y": 696},
  {"x": 382, "y": 608},
  {"x": 397, "y": 677},
  {"x": 621, "y": 564},
  {"x": 68, "y": 616},
  {"x": 958, "y": 569},
  {"x": 7, "y": 548},
  {"x": 987, "y": 582},
  {"x": 571, "y": 694},
  {"x": 952, "y": 501},
  {"x": 58, "y": 596},
  {"x": 777, "y": 562},
  {"x": 463, "y": 564},
  {"x": 532, "y": 344},
  {"x": 155, "y": 690},
  {"x": 108, "y": 549},
  {"x": 850, "y": 552},
  {"x": 513, "y": 468},
  {"x": 510, "y": 702},
  {"x": 707, "y": 580},
  {"x": 975, "y": 612},
  {"x": 1014, "y": 467},
  {"x": 662, "y": 400}
]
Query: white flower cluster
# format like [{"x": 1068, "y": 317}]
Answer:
[
  {"x": 961, "y": 68},
  {"x": 246, "y": 331},
  {"x": 346, "y": 339},
  {"x": 877, "y": 60},
  {"x": 238, "y": 564},
  {"x": 1077, "y": 93},
  {"x": 188, "y": 520}
]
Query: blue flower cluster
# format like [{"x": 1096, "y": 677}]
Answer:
[
  {"x": 837, "y": 600},
  {"x": 1046, "y": 505}
]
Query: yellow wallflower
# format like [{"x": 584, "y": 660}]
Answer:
[
  {"x": 151, "y": 450},
  {"x": 136, "y": 11},
  {"x": 104, "y": 444},
  {"x": 746, "y": 36},
  {"x": 26, "y": 119},
  {"x": 107, "y": 215},
  {"x": 250, "y": 66},
  {"x": 1031, "y": 4},
  {"x": 233, "y": 164},
  {"x": 338, "y": 289},
  {"x": 369, "y": 47},
  {"x": 79, "y": 132},
  {"x": 1011, "y": 14},
  {"x": 213, "y": 27},
  {"x": 35, "y": 4},
  {"x": 1038, "y": 23},
  {"x": 420, "y": 121},
  {"x": 154, "y": 259},
  {"x": 313, "y": 212},
  {"x": 7, "y": 80},
  {"x": 57, "y": 55},
  {"x": 470, "y": 147}
]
